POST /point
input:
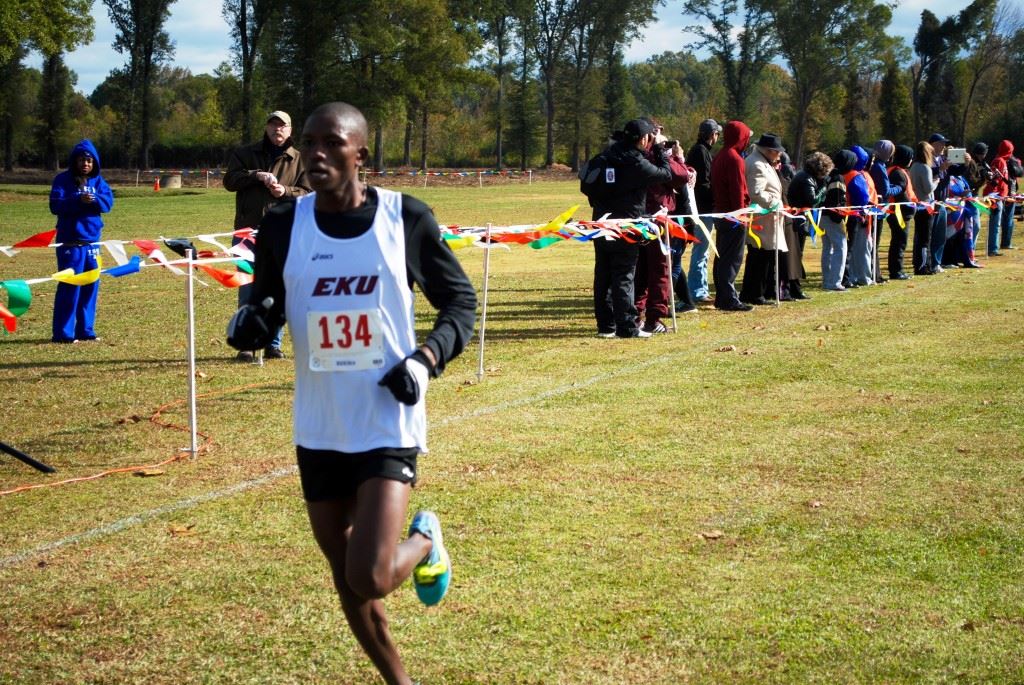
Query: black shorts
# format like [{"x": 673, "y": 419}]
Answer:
[{"x": 328, "y": 475}]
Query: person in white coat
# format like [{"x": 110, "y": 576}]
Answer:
[{"x": 767, "y": 234}]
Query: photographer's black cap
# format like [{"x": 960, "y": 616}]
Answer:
[
  {"x": 638, "y": 128},
  {"x": 937, "y": 138},
  {"x": 708, "y": 127}
]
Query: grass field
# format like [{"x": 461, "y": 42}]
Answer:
[{"x": 830, "y": 492}]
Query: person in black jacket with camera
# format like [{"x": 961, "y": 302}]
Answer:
[
  {"x": 807, "y": 190},
  {"x": 627, "y": 175}
]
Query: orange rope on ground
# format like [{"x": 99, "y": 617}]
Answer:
[{"x": 155, "y": 419}]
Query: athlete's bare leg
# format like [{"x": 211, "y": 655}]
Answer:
[{"x": 358, "y": 537}]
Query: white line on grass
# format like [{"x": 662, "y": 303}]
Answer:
[{"x": 188, "y": 503}]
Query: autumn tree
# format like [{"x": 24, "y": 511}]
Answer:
[
  {"x": 247, "y": 19},
  {"x": 141, "y": 37},
  {"x": 740, "y": 35}
]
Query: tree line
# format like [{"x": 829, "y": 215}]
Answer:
[{"x": 509, "y": 83}]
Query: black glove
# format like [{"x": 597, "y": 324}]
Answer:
[
  {"x": 407, "y": 380},
  {"x": 249, "y": 328}
]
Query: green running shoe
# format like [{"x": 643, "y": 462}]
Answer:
[{"x": 432, "y": 575}]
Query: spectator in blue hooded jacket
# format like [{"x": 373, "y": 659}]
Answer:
[
  {"x": 78, "y": 197},
  {"x": 858, "y": 194}
]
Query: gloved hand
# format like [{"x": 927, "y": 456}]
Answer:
[
  {"x": 249, "y": 328},
  {"x": 407, "y": 380}
]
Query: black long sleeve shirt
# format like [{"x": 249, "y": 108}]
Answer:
[{"x": 430, "y": 264}]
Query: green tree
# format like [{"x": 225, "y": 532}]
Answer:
[
  {"x": 248, "y": 20},
  {"x": 140, "y": 35},
  {"x": 846, "y": 33},
  {"x": 743, "y": 54},
  {"x": 55, "y": 93},
  {"x": 896, "y": 114},
  {"x": 553, "y": 23},
  {"x": 935, "y": 44},
  {"x": 47, "y": 26}
]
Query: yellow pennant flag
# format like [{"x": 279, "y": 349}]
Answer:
[
  {"x": 461, "y": 241},
  {"x": 898, "y": 211},
  {"x": 559, "y": 221},
  {"x": 85, "y": 278},
  {"x": 750, "y": 231},
  {"x": 704, "y": 229},
  {"x": 813, "y": 223}
]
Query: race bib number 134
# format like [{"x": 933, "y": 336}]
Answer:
[{"x": 350, "y": 340}]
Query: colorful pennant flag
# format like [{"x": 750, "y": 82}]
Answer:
[{"x": 38, "y": 240}]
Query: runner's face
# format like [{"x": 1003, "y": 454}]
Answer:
[{"x": 331, "y": 153}]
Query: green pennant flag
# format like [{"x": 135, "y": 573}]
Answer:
[
  {"x": 541, "y": 243},
  {"x": 19, "y": 296}
]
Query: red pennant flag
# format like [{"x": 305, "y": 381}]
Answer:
[
  {"x": 146, "y": 246},
  {"x": 38, "y": 240},
  {"x": 10, "y": 321},
  {"x": 228, "y": 279}
]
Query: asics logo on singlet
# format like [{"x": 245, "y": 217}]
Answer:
[
  {"x": 320, "y": 255},
  {"x": 345, "y": 285}
]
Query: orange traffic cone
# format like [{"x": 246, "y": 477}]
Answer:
[{"x": 156, "y": 185}]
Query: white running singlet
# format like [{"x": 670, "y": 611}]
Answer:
[{"x": 350, "y": 313}]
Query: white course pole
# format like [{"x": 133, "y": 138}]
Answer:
[
  {"x": 190, "y": 293},
  {"x": 483, "y": 306},
  {"x": 530, "y": 181},
  {"x": 480, "y": 178},
  {"x": 778, "y": 284},
  {"x": 671, "y": 286}
]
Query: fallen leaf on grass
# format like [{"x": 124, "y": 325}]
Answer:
[
  {"x": 968, "y": 625},
  {"x": 749, "y": 351},
  {"x": 711, "y": 534},
  {"x": 759, "y": 327},
  {"x": 962, "y": 450},
  {"x": 468, "y": 383},
  {"x": 727, "y": 348},
  {"x": 986, "y": 402},
  {"x": 814, "y": 504},
  {"x": 134, "y": 418},
  {"x": 148, "y": 473},
  {"x": 821, "y": 342},
  {"x": 178, "y": 530},
  {"x": 493, "y": 369},
  {"x": 200, "y": 374},
  {"x": 824, "y": 327}
]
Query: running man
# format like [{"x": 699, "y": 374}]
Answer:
[{"x": 339, "y": 265}]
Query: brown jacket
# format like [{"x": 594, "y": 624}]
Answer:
[{"x": 253, "y": 199}]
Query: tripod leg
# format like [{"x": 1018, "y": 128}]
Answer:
[{"x": 18, "y": 454}]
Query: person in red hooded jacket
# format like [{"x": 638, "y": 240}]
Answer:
[
  {"x": 729, "y": 189},
  {"x": 1000, "y": 185}
]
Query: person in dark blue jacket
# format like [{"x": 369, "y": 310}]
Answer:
[
  {"x": 858, "y": 194},
  {"x": 881, "y": 155},
  {"x": 78, "y": 197}
]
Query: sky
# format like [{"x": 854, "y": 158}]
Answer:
[{"x": 202, "y": 40}]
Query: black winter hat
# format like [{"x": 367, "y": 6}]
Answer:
[
  {"x": 903, "y": 156},
  {"x": 844, "y": 160}
]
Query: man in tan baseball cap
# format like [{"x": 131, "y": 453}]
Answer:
[
  {"x": 261, "y": 175},
  {"x": 282, "y": 115}
]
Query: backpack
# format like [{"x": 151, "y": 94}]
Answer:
[{"x": 597, "y": 178}]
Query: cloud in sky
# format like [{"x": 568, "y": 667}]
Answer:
[{"x": 202, "y": 39}]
